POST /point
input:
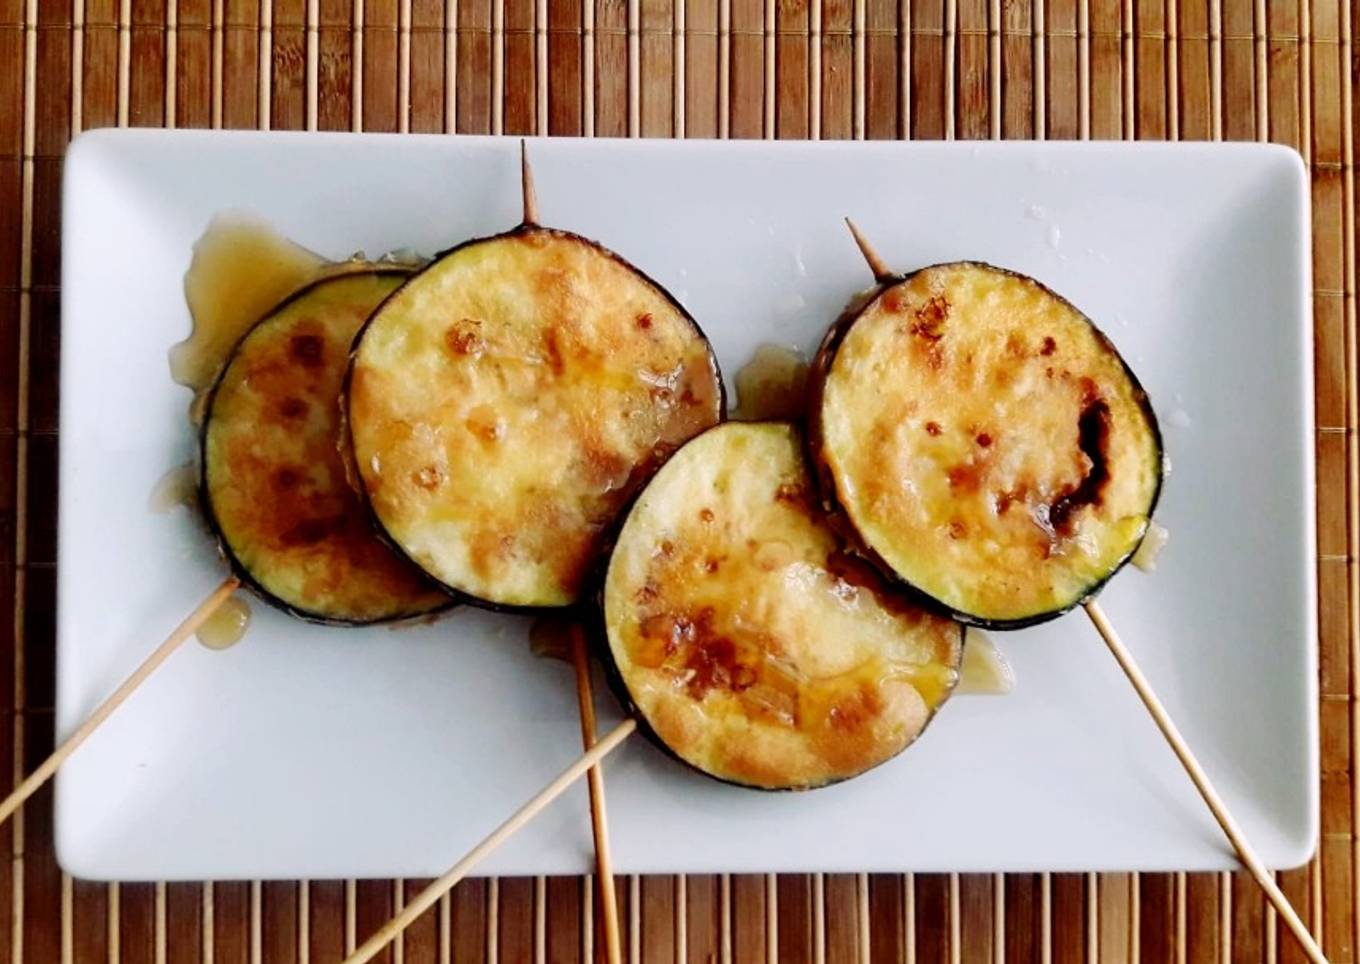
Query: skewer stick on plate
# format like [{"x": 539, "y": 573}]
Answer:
[
  {"x": 427, "y": 897},
  {"x": 1107, "y": 632},
  {"x": 1231, "y": 830},
  {"x": 604, "y": 865},
  {"x": 162, "y": 652},
  {"x": 526, "y": 174},
  {"x": 581, "y": 662}
]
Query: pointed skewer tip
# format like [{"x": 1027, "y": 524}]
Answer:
[
  {"x": 882, "y": 273},
  {"x": 527, "y": 184}
]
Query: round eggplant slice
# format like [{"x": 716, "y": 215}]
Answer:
[
  {"x": 750, "y": 644},
  {"x": 274, "y": 484},
  {"x": 985, "y": 442},
  {"x": 508, "y": 401}
]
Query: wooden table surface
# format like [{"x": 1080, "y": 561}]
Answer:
[{"x": 1278, "y": 70}]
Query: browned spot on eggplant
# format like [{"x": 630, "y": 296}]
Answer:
[
  {"x": 712, "y": 660},
  {"x": 483, "y": 422},
  {"x": 464, "y": 337},
  {"x": 984, "y": 439},
  {"x": 957, "y": 529},
  {"x": 309, "y": 532},
  {"x": 287, "y": 478},
  {"x": 487, "y": 548},
  {"x": 553, "y": 346},
  {"x": 1050, "y": 345},
  {"x": 671, "y": 629},
  {"x": 711, "y": 565},
  {"x": 1002, "y": 501},
  {"x": 706, "y": 515},
  {"x": 967, "y": 476},
  {"x": 307, "y": 350},
  {"x": 792, "y": 494},
  {"x": 933, "y": 428},
  {"x": 1093, "y": 435},
  {"x": 292, "y": 407},
  {"x": 854, "y": 710},
  {"x": 644, "y": 320},
  {"x": 429, "y": 477},
  {"x": 605, "y": 469},
  {"x": 930, "y": 319}
]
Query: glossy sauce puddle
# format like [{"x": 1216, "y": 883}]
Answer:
[
  {"x": 772, "y": 385},
  {"x": 225, "y": 627},
  {"x": 177, "y": 487},
  {"x": 241, "y": 268}
]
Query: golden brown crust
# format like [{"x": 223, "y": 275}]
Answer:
[
  {"x": 508, "y": 401},
  {"x": 273, "y": 479},
  {"x": 985, "y": 442},
  {"x": 755, "y": 649}
]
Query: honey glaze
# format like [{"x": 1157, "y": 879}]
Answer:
[
  {"x": 1145, "y": 558},
  {"x": 241, "y": 268},
  {"x": 772, "y": 385},
  {"x": 177, "y": 487},
  {"x": 553, "y": 637},
  {"x": 225, "y": 627},
  {"x": 984, "y": 672}
]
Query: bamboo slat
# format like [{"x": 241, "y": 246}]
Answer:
[{"x": 1281, "y": 70}]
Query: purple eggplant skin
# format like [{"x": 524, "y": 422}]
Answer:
[
  {"x": 595, "y": 618},
  {"x": 832, "y": 498},
  {"x": 284, "y": 380},
  {"x": 642, "y": 472}
]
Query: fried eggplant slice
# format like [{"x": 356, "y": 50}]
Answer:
[
  {"x": 751, "y": 646},
  {"x": 508, "y": 401},
  {"x": 985, "y": 442},
  {"x": 273, "y": 481}
]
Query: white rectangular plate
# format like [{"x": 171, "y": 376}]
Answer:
[{"x": 318, "y": 752}]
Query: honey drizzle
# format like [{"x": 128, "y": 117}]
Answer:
[
  {"x": 225, "y": 627},
  {"x": 985, "y": 672},
  {"x": 772, "y": 385},
  {"x": 241, "y": 268},
  {"x": 553, "y": 636},
  {"x": 1154, "y": 541},
  {"x": 177, "y": 487}
]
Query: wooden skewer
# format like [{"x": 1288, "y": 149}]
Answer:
[
  {"x": 427, "y": 897},
  {"x": 882, "y": 273},
  {"x": 526, "y": 178},
  {"x": 1245, "y": 852},
  {"x": 604, "y": 865},
  {"x": 172, "y": 642},
  {"x": 595, "y": 777},
  {"x": 580, "y": 660}
]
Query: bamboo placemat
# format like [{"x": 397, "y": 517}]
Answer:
[{"x": 1278, "y": 70}]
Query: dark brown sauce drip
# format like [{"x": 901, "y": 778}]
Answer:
[{"x": 1093, "y": 435}]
